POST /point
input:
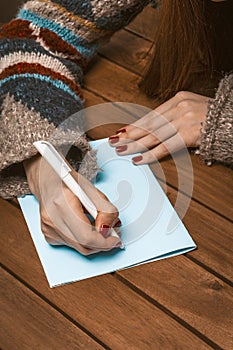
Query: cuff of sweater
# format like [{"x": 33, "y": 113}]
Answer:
[
  {"x": 16, "y": 185},
  {"x": 13, "y": 186},
  {"x": 20, "y": 127},
  {"x": 216, "y": 136}
]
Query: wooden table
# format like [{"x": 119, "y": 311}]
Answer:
[{"x": 183, "y": 302}]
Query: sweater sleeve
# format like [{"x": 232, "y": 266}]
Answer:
[
  {"x": 43, "y": 55},
  {"x": 217, "y": 135}
]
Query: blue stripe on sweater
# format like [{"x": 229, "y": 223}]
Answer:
[
  {"x": 57, "y": 83},
  {"x": 63, "y": 32}
]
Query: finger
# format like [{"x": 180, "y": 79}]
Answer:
[
  {"x": 105, "y": 230},
  {"x": 101, "y": 202},
  {"x": 104, "y": 223},
  {"x": 53, "y": 240},
  {"x": 142, "y": 145},
  {"x": 172, "y": 145},
  {"x": 168, "y": 111},
  {"x": 77, "y": 230},
  {"x": 141, "y": 128},
  {"x": 47, "y": 228},
  {"x": 131, "y": 132},
  {"x": 54, "y": 237},
  {"x": 86, "y": 242},
  {"x": 150, "y": 141},
  {"x": 98, "y": 242}
]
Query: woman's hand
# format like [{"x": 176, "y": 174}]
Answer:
[
  {"x": 172, "y": 126},
  {"x": 63, "y": 221}
]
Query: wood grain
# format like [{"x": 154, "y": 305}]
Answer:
[
  {"x": 190, "y": 292},
  {"x": 212, "y": 234},
  {"x": 128, "y": 50},
  {"x": 145, "y": 23},
  {"x": 28, "y": 322},
  {"x": 111, "y": 311},
  {"x": 179, "y": 303}
]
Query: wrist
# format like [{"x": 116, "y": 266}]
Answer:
[{"x": 31, "y": 167}]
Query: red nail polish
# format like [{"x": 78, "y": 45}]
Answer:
[
  {"x": 137, "y": 159},
  {"x": 118, "y": 223},
  {"x": 120, "y": 131},
  {"x": 121, "y": 148},
  {"x": 104, "y": 230},
  {"x": 114, "y": 139}
]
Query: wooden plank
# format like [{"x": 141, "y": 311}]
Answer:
[
  {"x": 28, "y": 322},
  {"x": 128, "y": 50},
  {"x": 145, "y": 23},
  {"x": 115, "y": 83},
  {"x": 110, "y": 310},
  {"x": 191, "y": 293},
  {"x": 103, "y": 118},
  {"x": 212, "y": 234},
  {"x": 211, "y": 186}
]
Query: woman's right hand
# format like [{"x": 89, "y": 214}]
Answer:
[{"x": 63, "y": 220}]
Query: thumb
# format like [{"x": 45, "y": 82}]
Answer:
[{"x": 105, "y": 221}]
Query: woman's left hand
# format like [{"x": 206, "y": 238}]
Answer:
[{"x": 172, "y": 126}]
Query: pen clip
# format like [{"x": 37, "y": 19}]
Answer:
[{"x": 52, "y": 156}]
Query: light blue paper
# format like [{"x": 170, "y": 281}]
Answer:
[{"x": 151, "y": 229}]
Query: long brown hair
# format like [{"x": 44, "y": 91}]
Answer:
[{"x": 182, "y": 49}]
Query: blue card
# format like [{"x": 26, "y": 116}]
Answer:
[{"x": 151, "y": 229}]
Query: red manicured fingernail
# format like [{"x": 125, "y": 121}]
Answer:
[
  {"x": 121, "y": 148},
  {"x": 114, "y": 139},
  {"x": 137, "y": 159},
  {"x": 104, "y": 230},
  {"x": 118, "y": 223},
  {"x": 120, "y": 131}
]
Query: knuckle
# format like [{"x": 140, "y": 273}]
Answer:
[
  {"x": 57, "y": 202},
  {"x": 189, "y": 114},
  {"x": 182, "y": 95},
  {"x": 184, "y": 104}
]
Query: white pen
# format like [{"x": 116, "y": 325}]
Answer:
[{"x": 63, "y": 170}]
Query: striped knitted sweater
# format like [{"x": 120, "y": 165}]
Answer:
[{"x": 43, "y": 55}]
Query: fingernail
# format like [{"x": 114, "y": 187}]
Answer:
[
  {"x": 104, "y": 230},
  {"x": 120, "y": 131},
  {"x": 137, "y": 159},
  {"x": 121, "y": 148},
  {"x": 118, "y": 245},
  {"x": 118, "y": 223},
  {"x": 114, "y": 139}
]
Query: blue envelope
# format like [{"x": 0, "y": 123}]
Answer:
[{"x": 151, "y": 229}]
